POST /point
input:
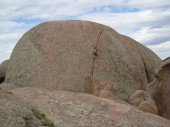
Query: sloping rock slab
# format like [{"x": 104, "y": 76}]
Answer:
[
  {"x": 67, "y": 109},
  {"x": 15, "y": 112}
]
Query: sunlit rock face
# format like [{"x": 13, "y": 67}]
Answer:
[{"x": 57, "y": 55}]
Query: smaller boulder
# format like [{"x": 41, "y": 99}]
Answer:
[
  {"x": 98, "y": 88},
  {"x": 143, "y": 101},
  {"x": 137, "y": 98},
  {"x": 94, "y": 87},
  {"x": 147, "y": 106},
  {"x": 109, "y": 92},
  {"x": 90, "y": 84}
]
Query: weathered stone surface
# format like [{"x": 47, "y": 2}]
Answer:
[
  {"x": 94, "y": 87},
  {"x": 137, "y": 98},
  {"x": 15, "y": 112},
  {"x": 109, "y": 92},
  {"x": 143, "y": 101},
  {"x": 68, "y": 109},
  {"x": 147, "y": 106},
  {"x": 7, "y": 86},
  {"x": 3, "y": 70},
  {"x": 57, "y": 55},
  {"x": 161, "y": 93},
  {"x": 165, "y": 80},
  {"x": 155, "y": 90},
  {"x": 160, "y": 90},
  {"x": 153, "y": 86},
  {"x": 89, "y": 84}
]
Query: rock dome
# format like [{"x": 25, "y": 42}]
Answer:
[{"x": 57, "y": 55}]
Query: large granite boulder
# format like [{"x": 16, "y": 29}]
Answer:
[
  {"x": 3, "y": 70},
  {"x": 161, "y": 91},
  {"x": 69, "y": 109},
  {"x": 57, "y": 55},
  {"x": 164, "y": 75}
]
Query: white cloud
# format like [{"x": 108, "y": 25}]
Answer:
[
  {"x": 151, "y": 36},
  {"x": 149, "y": 24},
  {"x": 162, "y": 49},
  {"x": 149, "y": 4},
  {"x": 144, "y": 26}
]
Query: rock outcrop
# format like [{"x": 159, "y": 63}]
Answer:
[
  {"x": 144, "y": 101},
  {"x": 94, "y": 87},
  {"x": 50, "y": 62},
  {"x": 161, "y": 90},
  {"x": 147, "y": 106},
  {"x": 57, "y": 55},
  {"x": 69, "y": 109},
  {"x": 164, "y": 75},
  {"x": 3, "y": 70},
  {"x": 16, "y": 113}
]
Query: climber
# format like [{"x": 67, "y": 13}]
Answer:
[{"x": 95, "y": 53}]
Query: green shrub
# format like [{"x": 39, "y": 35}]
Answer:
[{"x": 41, "y": 116}]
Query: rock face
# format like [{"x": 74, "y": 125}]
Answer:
[
  {"x": 68, "y": 109},
  {"x": 16, "y": 113},
  {"x": 3, "y": 70},
  {"x": 143, "y": 101},
  {"x": 159, "y": 89},
  {"x": 57, "y": 55},
  {"x": 162, "y": 92},
  {"x": 7, "y": 86},
  {"x": 147, "y": 106},
  {"x": 94, "y": 87},
  {"x": 165, "y": 80},
  {"x": 50, "y": 62}
]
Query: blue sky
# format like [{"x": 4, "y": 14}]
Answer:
[{"x": 147, "y": 21}]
